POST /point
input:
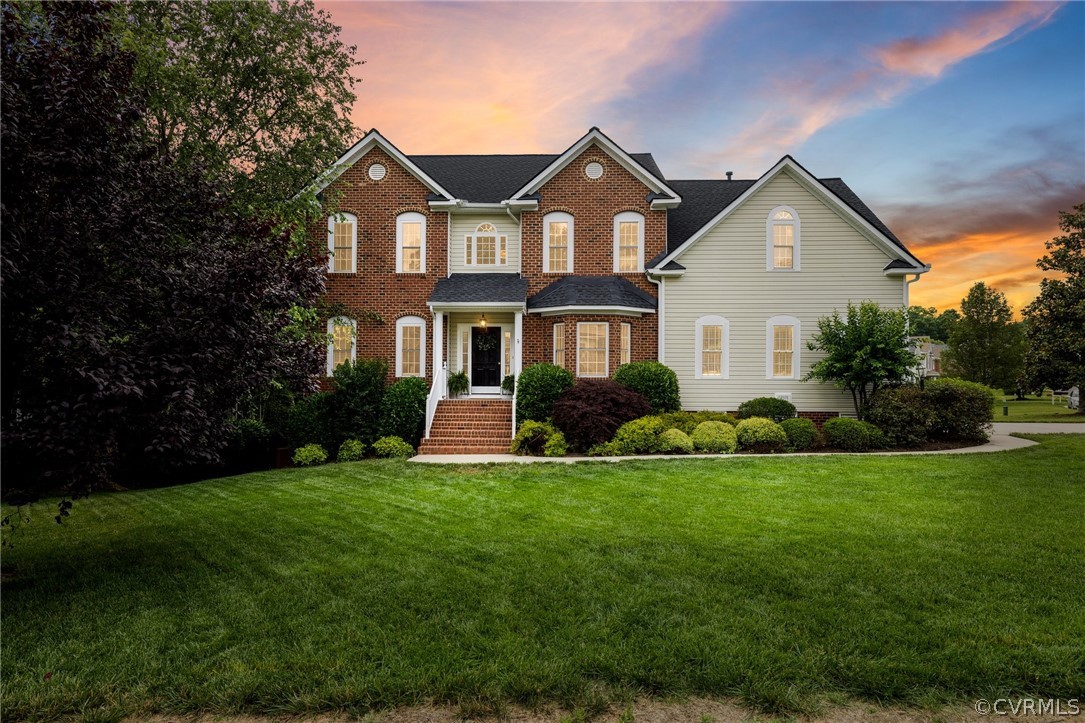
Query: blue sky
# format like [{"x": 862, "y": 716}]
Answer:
[{"x": 961, "y": 124}]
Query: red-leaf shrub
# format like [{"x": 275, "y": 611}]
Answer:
[{"x": 590, "y": 412}]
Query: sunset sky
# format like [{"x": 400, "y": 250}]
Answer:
[{"x": 961, "y": 124}]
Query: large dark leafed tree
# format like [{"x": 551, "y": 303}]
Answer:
[
  {"x": 258, "y": 93},
  {"x": 140, "y": 307},
  {"x": 1056, "y": 318},
  {"x": 986, "y": 346}
]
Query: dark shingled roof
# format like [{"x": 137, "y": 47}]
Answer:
[
  {"x": 470, "y": 288},
  {"x": 591, "y": 291},
  {"x": 491, "y": 179},
  {"x": 898, "y": 264}
]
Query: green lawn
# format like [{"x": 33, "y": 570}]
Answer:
[
  {"x": 1035, "y": 409},
  {"x": 913, "y": 580}
]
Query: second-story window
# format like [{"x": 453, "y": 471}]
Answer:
[
  {"x": 486, "y": 247},
  {"x": 342, "y": 242},
  {"x": 628, "y": 242},
  {"x": 783, "y": 239},
  {"x": 411, "y": 243},
  {"x": 558, "y": 243}
]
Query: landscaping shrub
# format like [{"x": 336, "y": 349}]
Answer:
[
  {"x": 310, "y": 421},
  {"x": 714, "y": 437},
  {"x": 641, "y": 436},
  {"x": 392, "y": 447},
  {"x": 903, "y": 414},
  {"x": 688, "y": 421},
  {"x": 249, "y": 446},
  {"x": 350, "y": 451},
  {"x": 310, "y": 455},
  {"x": 592, "y": 410},
  {"x": 538, "y": 387},
  {"x": 802, "y": 434},
  {"x": 768, "y": 407},
  {"x": 538, "y": 438},
  {"x": 654, "y": 381},
  {"x": 960, "y": 410},
  {"x": 853, "y": 435},
  {"x": 759, "y": 434},
  {"x": 403, "y": 412},
  {"x": 356, "y": 403},
  {"x": 675, "y": 441}
]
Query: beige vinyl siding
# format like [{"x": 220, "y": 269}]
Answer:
[
  {"x": 726, "y": 276},
  {"x": 464, "y": 223}
]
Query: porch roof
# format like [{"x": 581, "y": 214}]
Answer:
[
  {"x": 483, "y": 289},
  {"x": 597, "y": 292}
]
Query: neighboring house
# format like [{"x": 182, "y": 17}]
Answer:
[
  {"x": 592, "y": 258},
  {"x": 930, "y": 356}
]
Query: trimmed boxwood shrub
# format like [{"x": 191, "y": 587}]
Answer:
[
  {"x": 802, "y": 434},
  {"x": 310, "y": 455},
  {"x": 537, "y": 388},
  {"x": 350, "y": 451},
  {"x": 403, "y": 412},
  {"x": 768, "y": 407},
  {"x": 654, "y": 381},
  {"x": 357, "y": 401},
  {"x": 903, "y": 414},
  {"x": 688, "y": 421},
  {"x": 592, "y": 410},
  {"x": 392, "y": 447},
  {"x": 714, "y": 437},
  {"x": 759, "y": 434},
  {"x": 853, "y": 435},
  {"x": 538, "y": 438},
  {"x": 641, "y": 436},
  {"x": 959, "y": 409},
  {"x": 675, "y": 441}
]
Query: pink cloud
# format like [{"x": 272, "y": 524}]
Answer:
[{"x": 498, "y": 77}]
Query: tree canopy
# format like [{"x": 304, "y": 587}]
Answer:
[
  {"x": 141, "y": 307},
  {"x": 863, "y": 351},
  {"x": 1056, "y": 318},
  {"x": 986, "y": 346},
  {"x": 928, "y": 322}
]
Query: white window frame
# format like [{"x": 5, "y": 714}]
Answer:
[
  {"x": 410, "y": 217},
  {"x": 606, "y": 349},
  {"x": 404, "y": 321},
  {"x": 558, "y": 333},
  {"x": 796, "y": 345},
  {"x": 629, "y": 217},
  {"x": 471, "y": 247},
  {"x": 341, "y": 321},
  {"x": 558, "y": 216},
  {"x": 625, "y": 343},
  {"x": 770, "y": 241},
  {"x": 725, "y": 347},
  {"x": 343, "y": 217}
]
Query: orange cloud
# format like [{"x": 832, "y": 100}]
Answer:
[{"x": 497, "y": 77}]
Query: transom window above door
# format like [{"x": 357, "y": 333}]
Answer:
[{"x": 486, "y": 247}]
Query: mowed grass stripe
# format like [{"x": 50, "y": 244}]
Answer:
[{"x": 907, "y": 579}]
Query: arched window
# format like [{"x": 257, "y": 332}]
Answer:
[
  {"x": 713, "y": 339},
  {"x": 557, "y": 243},
  {"x": 342, "y": 243},
  {"x": 628, "y": 242},
  {"x": 783, "y": 335},
  {"x": 782, "y": 239},
  {"x": 410, "y": 346},
  {"x": 486, "y": 247},
  {"x": 411, "y": 243},
  {"x": 342, "y": 341}
]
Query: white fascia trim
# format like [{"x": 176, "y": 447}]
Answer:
[
  {"x": 811, "y": 184},
  {"x": 370, "y": 140},
  {"x": 664, "y": 204},
  {"x": 610, "y": 148},
  {"x": 665, "y": 274},
  {"x": 487, "y": 305},
  {"x": 611, "y": 310},
  {"x": 907, "y": 272}
]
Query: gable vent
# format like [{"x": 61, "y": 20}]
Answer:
[
  {"x": 594, "y": 170},
  {"x": 377, "y": 171}
]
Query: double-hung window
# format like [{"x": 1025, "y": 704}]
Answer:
[
  {"x": 591, "y": 349},
  {"x": 341, "y": 342},
  {"x": 628, "y": 242},
  {"x": 626, "y": 344},
  {"x": 713, "y": 334},
  {"x": 782, "y": 347},
  {"x": 783, "y": 239},
  {"x": 558, "y": 243},
  {"x": 342, "y": 243},
  {"x": 411, "y": 243},
  {"x": 559, "y": 344},
  {"x": 411, "y": 347}
]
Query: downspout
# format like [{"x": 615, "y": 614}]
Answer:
[{"x": 907, "y": 319}]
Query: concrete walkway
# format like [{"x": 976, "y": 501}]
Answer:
[
  {"x": 1000, "y": 442},
  {"x": 1039, "y": 427}
]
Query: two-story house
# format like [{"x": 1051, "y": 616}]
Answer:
[{"x": 590, "y": 259}]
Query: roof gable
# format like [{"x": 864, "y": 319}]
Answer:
[{"x": 373, "y": 139}]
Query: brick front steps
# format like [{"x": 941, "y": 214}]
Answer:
[{"x": 470, "y": 426}]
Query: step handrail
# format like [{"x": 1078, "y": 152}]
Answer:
[{"x": 436, "y": 394}]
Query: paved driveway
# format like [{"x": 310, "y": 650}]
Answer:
[{"x": 1040, "y": 427}]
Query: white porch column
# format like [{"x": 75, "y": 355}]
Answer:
[
  {"x": 438, "y": 341},
  {"x": 517, "y": 344}
]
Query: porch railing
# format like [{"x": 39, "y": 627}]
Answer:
[
  {"x": 436, "y": 394},
  {"x": 515, "y": 390}
]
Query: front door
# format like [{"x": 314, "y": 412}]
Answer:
[{"x": 486, "y": 357}]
